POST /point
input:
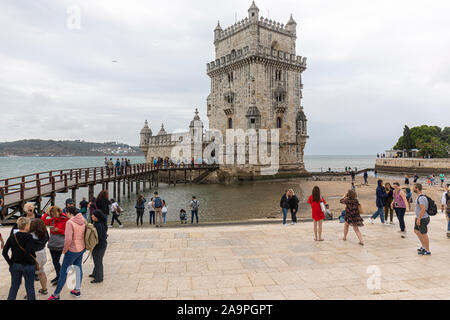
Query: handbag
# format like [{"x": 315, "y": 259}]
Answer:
[
  {"x": 56, "y": 241},
  {"x": 37, "y": 263},
  {"x": 360, "y": 210},
  {"x": 322, "y": 206}
]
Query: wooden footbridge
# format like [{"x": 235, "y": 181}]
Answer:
[{"x": 34, "y": 187}]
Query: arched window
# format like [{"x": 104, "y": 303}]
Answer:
[
  {"x": 278, "y": 123},
  {"x": 230, "y": 123}
]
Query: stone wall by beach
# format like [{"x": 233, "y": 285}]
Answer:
[{"x": 436, "y": 166}]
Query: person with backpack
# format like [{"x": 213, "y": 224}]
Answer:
[
  {"x": 99, "y": 250},
  {"x": 115, "y": 209},
  {"x": 140, "y": 209},
  {"x": 380, "y": 202},
  {"x": 74, "y": 248},
  {"x": 194, "y": 209},
  {"x": 157, "y": 204},
  {"x": 398, "y": 203},
  {"x": 422, "y": 207},
  {"x": 22, "y": 262},
  {"x": 56, "y": 219},
  {"x": 151, "y": 211},
  {"x": 317, "y": 203},
  {"x": 40, "y": 238}
]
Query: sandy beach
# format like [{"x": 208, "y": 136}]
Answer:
[{"x": 333, "y": 191}]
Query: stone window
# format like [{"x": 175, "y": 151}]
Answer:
[
  {"x": 278, "y": 122},
  {"x": 230, "y": 123},
  {"x": 230, "y": 77},
  {"x": 253, "y": 118},
  {"x": 280, "y": 97},
  {"x": 278, "y": 75}
]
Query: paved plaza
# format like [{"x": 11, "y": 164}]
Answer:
[{"x": 265, "y": 261}]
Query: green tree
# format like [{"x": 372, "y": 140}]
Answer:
[{"x": 429, "y": 139}]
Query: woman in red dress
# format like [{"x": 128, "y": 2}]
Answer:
[{"x": 317, "y": 214}]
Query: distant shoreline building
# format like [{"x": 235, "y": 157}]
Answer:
[{"x": 256, "y": 83}]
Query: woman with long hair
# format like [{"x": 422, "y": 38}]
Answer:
[
  {"x": 56, "y": 219},
  {"x": 102, "y": 203},
  {"x": 316, "y": 200},
  {"x": 140, "y": 208},
  {"x": 74, "y": 248},
  {"x": 99, "y": 251},
  {"x": 352, "y": 215},
  {"x": 387, "y": 206},
  {"x": 40, "y": 239}
]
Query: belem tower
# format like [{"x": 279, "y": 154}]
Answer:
[{"x": 256, "y": 84}]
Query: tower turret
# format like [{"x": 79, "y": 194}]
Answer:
[
  {"x": 146, "y": 133},
  {"x": 217, "y": 31},
  {"x": 253, "y": 12},
  {"x": 291, "y": 26}
]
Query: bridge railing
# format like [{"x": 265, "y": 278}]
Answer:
[{"x": 71, "y": 178}]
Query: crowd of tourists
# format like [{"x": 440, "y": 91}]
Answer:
[
  {"x": 66, "y": 232},
  {"x": 389, "y": 199}
]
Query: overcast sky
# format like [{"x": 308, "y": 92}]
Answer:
[{"x": 373, "y": 66}]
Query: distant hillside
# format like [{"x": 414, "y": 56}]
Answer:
[{"x": 48, "y": 148}]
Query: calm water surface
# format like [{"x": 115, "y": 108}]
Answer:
[{"x": 243, "y": 201}]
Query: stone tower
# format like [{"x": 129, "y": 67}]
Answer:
[{"x": 256, "y": 82}]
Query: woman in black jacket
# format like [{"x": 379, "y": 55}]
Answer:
[
  {"x": 293, "y": 205},
  {"x": 284, "y": 205},
  {"x": 22, "y": 261},
  {"x": 100, "y": 224},
  {"x": 102, "y": 203}
]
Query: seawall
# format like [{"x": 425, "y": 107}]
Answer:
[{"x": 429, "y": 166}]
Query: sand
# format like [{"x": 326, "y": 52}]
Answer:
[{"x": 333, "y": 191}]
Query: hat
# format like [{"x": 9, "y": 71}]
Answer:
[{"x": 69, "y": 201}]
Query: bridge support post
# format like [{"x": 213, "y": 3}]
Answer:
[
  {"x": 74, "y": 195},
  {"x": 129, "y": 188},
  {"x": 137, "y": 185},
  {"x": 90, "y": 191},
  {"x": 52, "y": 199},
  {"x": 118, "y": 190},
  {"x": 143, "y": 184},
  {"x": 114, "y": 189}
]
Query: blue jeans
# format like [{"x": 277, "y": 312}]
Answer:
[
  {"x": 380, "y": 212},
  {"x": 285, "y": 211},
  {"x": 152, "y": 217},
  {"x": 448, "y": 227},
  {"x": 70, "y": 258},
  {"x": 194, "y": 212},
  {"x": 17, "y": 271}
]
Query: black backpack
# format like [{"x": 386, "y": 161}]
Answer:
[{"x": 432, "y": 207}]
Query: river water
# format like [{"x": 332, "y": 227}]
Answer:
[{"x": 248, "y": 200}]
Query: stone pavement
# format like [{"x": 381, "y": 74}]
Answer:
[{"x": 265, "y": 262}]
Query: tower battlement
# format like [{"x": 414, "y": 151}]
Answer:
[
  {"x": 245, "y": 23},
  {"x": 262, "y": 51}
]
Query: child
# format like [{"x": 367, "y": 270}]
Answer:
[
  {"x": 328, "y": 214},
  {"x": 183, "y": 216}
]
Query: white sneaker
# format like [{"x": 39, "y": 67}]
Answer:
[
  {"x": 292, "y": 223},
  {"x": 110, "y": 226},
  {"x": 386, "y": 223},
  {"x": 371, "y": 220},
  {"x": 121, "y": 226}
]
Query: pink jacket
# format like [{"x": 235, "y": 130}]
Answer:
[{"x": 74, "y": 239}]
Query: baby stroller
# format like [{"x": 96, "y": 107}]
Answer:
[{"x": 183, "y": 216}]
